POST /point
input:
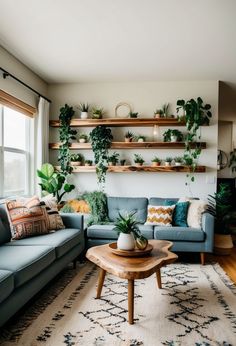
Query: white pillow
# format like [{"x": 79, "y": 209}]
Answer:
[{"x": 195, "y": 210}]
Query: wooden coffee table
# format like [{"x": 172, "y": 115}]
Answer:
[{"x": 131, "y": 268}]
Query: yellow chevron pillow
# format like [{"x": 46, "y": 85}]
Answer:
[{"x": 160, "y": 215}]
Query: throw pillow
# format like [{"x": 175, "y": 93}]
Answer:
[
  {"x": 27, "y": 217},
  {"x": 180, "y": 213},
  {"x": 195, "y": 211},
  {"x": 79, "y": 206},
  {"x": 160, "y": 215},
  {"x": 54, "y": 219}
]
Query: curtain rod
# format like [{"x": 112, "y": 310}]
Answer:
[{"x": 8, "y": 74}]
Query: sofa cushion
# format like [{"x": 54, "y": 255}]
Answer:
[
  {"x": 62, "y": 240},
  {"x": 27, "y": 217},
  {"x": 108, "y": 232},
  {"x": 179, "y": 233},
  {"x": 25, "y": 261},
  {"x": 54, "y": 219},
  {"x": 180, "y": 213},
  {"x": 6, "y": 284},
  {"x": 162, "y": 201},
  {"x": 124, "y": 205},
  {"x": 160, "y": 215},
  {"x": 5, "y": 231}
]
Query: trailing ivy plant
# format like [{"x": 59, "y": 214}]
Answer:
[
  {"x": 97, "y": 201},
  {"x": 195, "y": 114},
  {"x": 66, "y": 135},
  {"x": 101, "y": 138}
]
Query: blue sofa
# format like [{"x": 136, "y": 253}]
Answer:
[
  {"x": 185, "y": 239},
  {"x": 27, "y": 265}
]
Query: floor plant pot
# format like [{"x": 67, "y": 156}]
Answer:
[
  {"x": 84, "y": 115},
  {"x": 223, "y": 244},
  {"x": 126, "y": 241}
]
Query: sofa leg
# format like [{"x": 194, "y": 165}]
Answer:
[
  {"x": 74, "y": 264},
  {"x": 202, "y": 255}
]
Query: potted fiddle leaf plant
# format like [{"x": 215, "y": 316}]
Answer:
[
  {"x": 138, "y": 160},
  {"x": 84, "y": 109},
  {"x": 113, "y": 159},
  {"x": 219, "y": 206}
]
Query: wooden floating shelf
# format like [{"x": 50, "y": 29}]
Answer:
[
  {"x": 116, "y": 122},
  {"x": 129, "y": 169},
  {"x": 133, "y": 145}
]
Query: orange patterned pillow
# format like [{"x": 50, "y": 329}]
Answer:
[
  {"x": 27, "y": 217},
  {"x": 160, "y": 215},
  {"x": 79, "y": 206}
]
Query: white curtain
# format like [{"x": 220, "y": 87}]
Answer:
[{"x": 41, "y": 130}]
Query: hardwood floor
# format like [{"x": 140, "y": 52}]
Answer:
[{"x": 228, "y": 263}]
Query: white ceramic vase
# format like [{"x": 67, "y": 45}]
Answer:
[
  {"x": 173, "y": 138},
  {"x": 126, "y": 241},
  {"x": 82, "y": 140},
  {"x": 84, "y": 115}
]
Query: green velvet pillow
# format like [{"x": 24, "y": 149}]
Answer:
[{"x": 180, "y": 212}]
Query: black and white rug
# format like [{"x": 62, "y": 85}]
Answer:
[{"x": 197, "y": 306}]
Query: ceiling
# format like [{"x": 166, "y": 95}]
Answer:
[{"x": 67, "y": 41}]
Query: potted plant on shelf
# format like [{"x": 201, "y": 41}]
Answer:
[
  {"x": 165, "y": 108},
  {"x": 220, "y": 207},
  {"x": 128, "y": 231},
  {"x": 84, "y": 109},
  {"x": 140, "y": 138},
  {"x": 76, "y": 159},
  {"x": 88, "y": 162},
  {"x": 113, "y": 159},
  {"x": 168, "y": 161},
  {"x": 122, "y": 162},
  {"x": 133, "y": 114},
  {"x": 138, "y": 160},
  {"x": 97, "y": 113},
  {"x": 156, "y": 161},
  {"x": 128, "y": 136},
  {"x": 158, "y": 113},
  {"x": 178, "y": 160},
  {"x": 173, "y": 136},
  {"x": 83, "y": 138}
]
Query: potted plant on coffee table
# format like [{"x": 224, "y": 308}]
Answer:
[
  {"x": 126, "y": 226},
  {"x": 76, "y": 159},
  {"x": 220, "y": 207},
  {"x": 138, "y": 160},
  {"x": 113, "y": 159}
]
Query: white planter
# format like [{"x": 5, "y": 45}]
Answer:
[
  {"x": 140, "y": 140},
  {"x": 126, "y": 241},
  {"x": 167, "y": 163},
  {"x": 173, "y": 139},
  {"x": 82, "y": 140},
  {"x": 75, "y": 163},
  {"x": 84, "y": 115},
  {"x": 178, "y": 163}
]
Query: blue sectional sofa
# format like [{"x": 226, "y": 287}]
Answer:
[
  {"x": 27, "y": 265},
  {"x": 184, "y": 239}
]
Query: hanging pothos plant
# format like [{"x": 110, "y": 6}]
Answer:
[
  {"x": 101, "y": 138},
  {"x": 195, "y": 114},
  {"x": 66, "y": 136}
]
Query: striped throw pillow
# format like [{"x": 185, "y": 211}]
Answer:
[
  {"x": 27, "y": 217},
  {"x": 54, "y": 218},
  {"x": 160, "y": 215}
]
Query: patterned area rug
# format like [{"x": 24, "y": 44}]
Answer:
[{"x": 197, "y": 306}]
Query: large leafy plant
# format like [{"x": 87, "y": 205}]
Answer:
[
  {"x": 66, "y": 135},
  {"x": 219, "y": 206},
  {"x": 53, "y": 182},
  {"x": 101, "y": 138}
]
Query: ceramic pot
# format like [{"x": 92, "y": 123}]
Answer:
[
  {"x": 84, "y": 115},
  {"x": 223, "y": 244},
  {"x": 126, "y": 241},
  {"x": 178, "y": 164},
  {"x": 138, "y": 164},
  {"x": 75, "y": 163},
  {"x": 167, "y": 163},
  {"x": 155, "y": 164},
  {"x": 140, "y": 140},
  {"x": 173, "y": 139},
  {"x": 128, "y": 140},
  {"x": 82, "y": 140}
]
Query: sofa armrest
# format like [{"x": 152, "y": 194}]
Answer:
[
  {"x": 73, "y": 220},
  {"x": 208, "y": 225}
]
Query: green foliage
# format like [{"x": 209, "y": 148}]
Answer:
[
  {"x": 88, "y": 162},
  {"x": 169, "y": 133},
  {"x": 76, "y": 157},
  {"x": 114, "y": 157},
  {"x": 53, "y": 182},
  {"x": 156, "y": 159},
  {"x": 127, "y": 224},
  {"x": 178, "y": 159},
  {"x": 219, "y": 206},
  {"x": 133, "y": 114},
  {"x": 138, "y": 137},
  {"x": 138, "y": 159},
  {"x": 84, "y": 107},
  {"x": 101, "y": 138},
  {"x": 97, "y": 113},
  {"x": 129, "y": 134},
  {"x": 66, "y": 135},
  {"x": 83, "y": 136},
  {"x": 159, "y": 111},
  {"x": 97, "y": 201},
  {"x": 168, "y": 159},
  {"x": 67, "y": 209}
]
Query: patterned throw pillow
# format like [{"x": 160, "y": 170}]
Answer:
[
  {"x": 180, "y": 213},
  {"x": 54, "y": 218},
  {"x": 160, "y": 215},
  {"x": 27, "y": 217}
]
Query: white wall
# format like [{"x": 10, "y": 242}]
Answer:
[
  {"x": 16, "y": 68},
  {"x": 144, "y": 97}
]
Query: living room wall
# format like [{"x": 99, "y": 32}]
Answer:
[{"x": 144, "y": 97}]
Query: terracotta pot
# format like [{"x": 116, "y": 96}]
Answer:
[
  {"x": 155, "y": 164},
  {"x": 223, "y": 244},
  {"x": 128, "y": 140}
]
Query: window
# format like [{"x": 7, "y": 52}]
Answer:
[{"x": 14, "y": 152}]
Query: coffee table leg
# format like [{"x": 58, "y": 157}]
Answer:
[
  {"x": 131, "y": 301},
  {"x": 158, "y": 274},
  {"x": 101, "y": 278}
]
